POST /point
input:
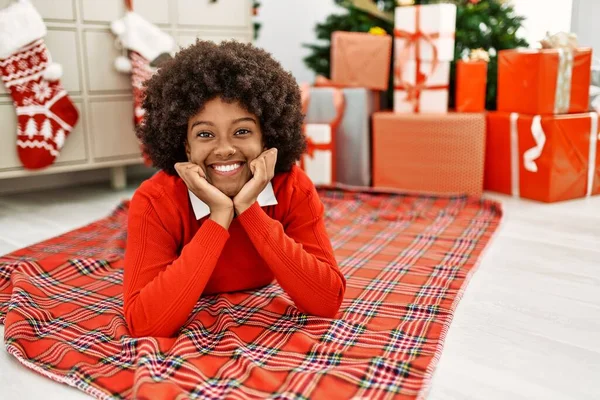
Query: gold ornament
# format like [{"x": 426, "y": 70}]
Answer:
[
  {"x": 479, "y": 55},
  {"x": 376, "y": 30}
]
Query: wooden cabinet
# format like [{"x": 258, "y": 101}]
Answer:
[
  {"x": 220, "y": 14},
  {"x": 79, "y": 38}
]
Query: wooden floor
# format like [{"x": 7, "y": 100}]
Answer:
[{"x": 528, "y": 326}]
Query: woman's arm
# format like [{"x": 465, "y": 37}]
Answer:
[
  {"x": 161, "y": 287},
  {"x": 300, "y": 256}
]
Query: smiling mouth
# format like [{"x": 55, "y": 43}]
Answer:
[{"x": 227, "y": 169}]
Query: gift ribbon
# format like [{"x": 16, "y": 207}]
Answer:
[
  {"x": 592, "y": 154},
  {"x": 312, "y": 146},
  {"x": 562, "y": 97},
  {"x": 413, "y": 39},
  {"x": 539, "y": 136},
  {"x": 321, "y": 81},
  {"x": 514, "y": 154},
  {"x": 535, "y": 152}
]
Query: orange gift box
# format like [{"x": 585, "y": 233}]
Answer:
[
  {"x": 429, "y": 153},
  {"x": 545, "y": 158},
  {"x": 545, "y": 81},
  {"x": 471, "y": 82},
  {"x": 361, "y": 59}
]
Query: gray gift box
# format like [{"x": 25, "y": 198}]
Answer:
[{"x": 353, "y": 137}]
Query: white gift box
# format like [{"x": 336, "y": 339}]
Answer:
[
  {"x": 425, "y": 28},
  {"x": 319, "y": 159},
  {"x": 424, "y": 47},
  {"x": 435, "y": 75},
  {"x": 432, "y": 94},
  {"x": 429, "y": 101}
]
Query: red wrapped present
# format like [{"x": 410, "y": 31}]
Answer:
[
  {"x": 471, "y": 82},
  {"x": 548, "y": 81},
  {"x": 546, "y": 158}
]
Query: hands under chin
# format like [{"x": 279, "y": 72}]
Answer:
[
  {"x": 221, "y": 206},
  {"x": 263, "y": 170}
]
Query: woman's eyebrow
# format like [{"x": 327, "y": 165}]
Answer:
[
  {"x": 244, "y": 119},
  {"x": 201, "y": 123}
]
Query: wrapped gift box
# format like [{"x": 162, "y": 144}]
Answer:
[
  {"x": 429, "y": 153},
  {"x": 361, "y": 59},
  {"x": 423, "y": 31},
  {"x": 552, "y": 81},
  {"x": 353, "y": 135},
  {"x": 319, "y": 161},
  {"x": 546, "y": 158},
  {"x": 471, "y": 84},
  {"x": 430, "y": 96},
  {"x": 423, "y": 49}
]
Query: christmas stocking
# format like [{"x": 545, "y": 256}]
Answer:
[
  {"x": 45, "y": 114},
  {"x": 147, "y": 47}
]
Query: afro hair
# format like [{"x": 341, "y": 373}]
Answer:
[{"x": 233, "y": 71}]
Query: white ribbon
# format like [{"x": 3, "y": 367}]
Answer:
[
  {"x": 514, "y": 154},
  {"x": 535, "y": 152},
  {"x": 540, "y": 140},
  {"x": 592, "y": 158},
  {"x": 562, "y": 96}
]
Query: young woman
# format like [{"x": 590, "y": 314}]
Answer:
[{"x": 229, "y": 210}]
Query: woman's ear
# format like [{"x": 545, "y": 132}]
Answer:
[{"x": 188, "y": 152}]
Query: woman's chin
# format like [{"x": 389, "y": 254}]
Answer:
[{"x": 230, "y": 190}]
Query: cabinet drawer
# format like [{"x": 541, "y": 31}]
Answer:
[
  {"x": 186, "y": 39},
  {"x": 112, "y": 132},
  {"x": 74, "y": 149},
  {"x": 55, "y": 9},
  {"x": 100, "y": 56},
  {"x": 223, "y": 13},
  {"x": 64, "y": 50},
  {"x": 156, "y": 11}
]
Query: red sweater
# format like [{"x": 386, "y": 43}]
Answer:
[{"x": 172, "y": 259}]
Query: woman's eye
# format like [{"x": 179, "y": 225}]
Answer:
[
  {"x": 204, "y": 134},
  {"x": 242, "y": 132}
]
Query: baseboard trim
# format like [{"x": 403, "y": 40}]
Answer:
[{"x": 68, "y": 179}]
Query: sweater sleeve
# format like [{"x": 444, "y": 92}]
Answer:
[
  {"x": 300, "y": 256},
  {"x": 162, "y": 283}
]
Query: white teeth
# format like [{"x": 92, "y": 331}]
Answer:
[{"x": 226, "y": 168}]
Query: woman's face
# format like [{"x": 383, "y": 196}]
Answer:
[{"x": 223, "y": 138}]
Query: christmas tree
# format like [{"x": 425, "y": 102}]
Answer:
[{"x": 488, "y": 24}]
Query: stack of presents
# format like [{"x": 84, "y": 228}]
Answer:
[{"x": 540, "y": 144}]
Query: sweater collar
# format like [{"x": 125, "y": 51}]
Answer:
[{"x": 201, "y": 209}]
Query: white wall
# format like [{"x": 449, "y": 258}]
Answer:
[
  {"x": 286, "y": 25},
  {"x": 586, "y": 24},
  {"x": 542, "y": 16}
]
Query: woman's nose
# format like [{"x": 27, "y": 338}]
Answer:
[{"x": 225, "y": 149}]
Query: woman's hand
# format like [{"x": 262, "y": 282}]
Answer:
[
  {"x": 221, "y": 206},
  {"x": 263, "y": 170}
]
